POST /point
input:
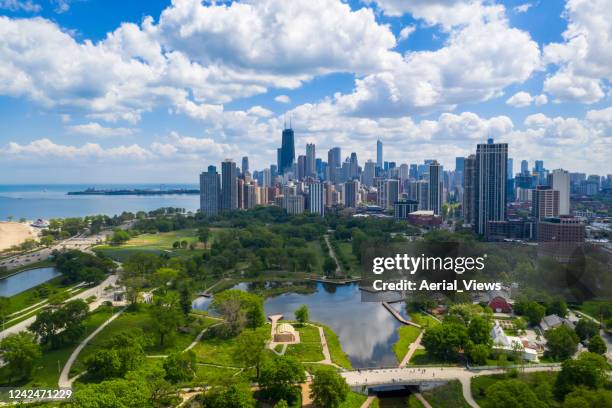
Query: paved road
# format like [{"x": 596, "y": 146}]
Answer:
[
  {"x": 95, "y": 291},
  {"x": 332, "y": 253}
]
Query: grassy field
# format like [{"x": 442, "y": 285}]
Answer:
[
  {"x": 309, "y": 348},
  {"x": 31, "y": 296},
  {"x": 353, "y": 400},
  {"x": 141, "y": 320},
  {"x": 315, "y": 246},
  {"x": 214, "y": 350},
  {"x": 338, "y": 355},
  {"x": 47, "y": 372},
  {"x": 154, "y": 243},
  {"x": 446, "y": 396},
  {"x": 407, "y": 335},
  {"x": 346, "y": 249}
]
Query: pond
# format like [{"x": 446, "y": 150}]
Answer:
[
  {"x": 366, "y": 330},
  {"x": 25, "y": 280}
]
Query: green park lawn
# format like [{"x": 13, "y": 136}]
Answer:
[
  {"x": 221, "y": 351},
  {"x": 309, "y": 349},
  {"x": 353, "y": 400},
  {"x": 140, "y": 319},
  {"x": 406, "y": 336},
  {"x": 338, "y": 355},
  {"x": 31, "y": 296},
  {"x": 346, "y": 249},
  {"x": 46, "y": 373},
  {"x": 156, "y": 243},
  {"x": 449, "y": 395}
]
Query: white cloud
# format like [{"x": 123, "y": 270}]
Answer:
[
  {"x": 405, "y": 32},
  {"x": 522, "y": 99},
  {"x": 282, "y": 99},
  {"x": 20, "y": 5},
  {"x": 522, "y": 8},
  {"x": 585, "y": 57},
  {"x": 45, "y": 149},
  {"x": 260, "y": 111},
  {"x": 95, "y": 129}
]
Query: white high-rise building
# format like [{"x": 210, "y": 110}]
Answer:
[
  {"x": 559, "y": 180},
  {"x": 316, "y": 198}
]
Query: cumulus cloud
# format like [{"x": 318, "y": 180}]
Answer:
[
  {"x": 95, "y": 129},
  {"x": 585, "y": 57},
  {"x": 46, "y": 149},
  {"x": 522, "y": 99},
  {"x": 282, "y": 99},
  {"x": 522, "y": 8}
]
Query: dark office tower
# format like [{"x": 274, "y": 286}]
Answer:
[
  {"x": 469, "y": 190},
  {"x": 491, "y": 167},
  {"x": 229, "y": 186},
  {"x": 459, "y": 163},
  {"x": 414, "y": 172},
  {"x": 353, "y": 167},
  {"x": 287, "y": 151},
  {"x": 524, "y": 167},
  {"x": 311, "y": 170},
  {"x": 273, "y": 171},
  {"x": 210, "y": 191},
  {"x": 333, "y": 163},
  {"x": 245, "y": 165},
  {"x": 351, "y": 193},
  {"x": 510, "y": 169},
  {"x": 435, "y": 187},
  {"x": 279, "y": 153},
  {"x": 539, "y": 166},
  {"x": 301, "y": 167},
  {"x": 379, "y": 154},
  {"x": 319, "y": 169}
]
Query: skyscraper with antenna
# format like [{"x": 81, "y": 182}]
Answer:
[{"x": 287, "y": 153}]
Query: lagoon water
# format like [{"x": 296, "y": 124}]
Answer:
[
  {"x": 25, "y": 280},
  {"x": 50, "y": 201},
  {"x": 366, "y": 330}
]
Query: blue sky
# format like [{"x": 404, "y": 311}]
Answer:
[{"x": 154, "y": 91}]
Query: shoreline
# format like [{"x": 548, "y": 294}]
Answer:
[{"x": 14, "y": 233}]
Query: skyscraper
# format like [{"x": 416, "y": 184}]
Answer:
[
  {"x": 544, "y": 202},
  {"x": 524, "y": 167},
  {"x": 311, "y": 169},
  {"x": 287, "y": 154},
  {"x": 459, "y": 164},
  {"x": 351, "y": 193},
  {"x": 229, "y": 186},
  {"x": 559, "y": 180},
  {"x": 333, "y": 163},
  {"x": 469, "y": 190},
  {"x": 379, "y": 154},
  {"x": 210, "y": 191},
  {"x": 301, "y": 167},
  {"x": 510, "y": 169},
  {"x": 435, "y": 187},
  {"x": 316, "y": 198},
  {"x": 353, "y": 167},
  {"x": 245, "y": 165},
  {"x": 491, "y": 168},
  {"x": 369, "y": 172}
]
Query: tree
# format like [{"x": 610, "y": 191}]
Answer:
[
  {"x": 104, "y": 364},
  {"x": 589, "y": 370},
  {"x": 562, "y": 342},
  {"x": 582, "y": 397},
  {"x": 203, "y": 235},
  {"x": 166, "y": 317},
  {"x": 281, "y": 404},
  {"x": 586, "y": 328},
  {"x": 301, "y": 314},
  {"x": 557, "y": 306},
  {"x": 5, "y": 304},
  {"x": 479, "y": 353},
  {"x": 329, "y": 266},
  {"x": 328, "y": 388},
  {"x": 445, "y": 340},
  {"x": 118, "y": 393},
  {"x": 119, "y": 237},
  {"x": 129, "y": 346},
  {"x": 511, "y": 394},
  {"x": 279, "y": 375},
  {"x": 185, "y": 299},
  {"x": 180, "y": 366},
  {"x": 46, "y": 240},
  {"x": 534, "y": 312},
  {"x": 597, "y": 345},
  {"x": 479, "y": 330},
  {"x": 251, "y": 348},
  {"x": 234, "y": 396},
  {"x": 20, "y": 352},
  {"x": 56, "y": 327},
  {"x": 239, "y": 309}
]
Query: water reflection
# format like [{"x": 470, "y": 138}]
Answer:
[{"x": 366, "y": 330}]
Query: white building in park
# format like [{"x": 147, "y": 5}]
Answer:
[{"x": 501, "y": 341}]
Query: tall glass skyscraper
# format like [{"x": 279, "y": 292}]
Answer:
[
  {"x": 379, "y": 154},
  {"x": 229, "y": 186},
  {"x": 287, "y": 153},
  {"x": 210, "y": 191},
  {"x": 491, "y": 168}
]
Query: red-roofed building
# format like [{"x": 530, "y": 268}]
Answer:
[{"x": 499, "y": 305}]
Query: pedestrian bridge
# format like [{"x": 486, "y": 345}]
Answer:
[{"x": 406, "y": 376}]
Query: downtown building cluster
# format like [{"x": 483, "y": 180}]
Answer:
[{"x": 482, "y": 190}]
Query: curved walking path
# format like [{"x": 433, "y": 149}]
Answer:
[
  {"x": 411, "y": 349},
  {"x": 64, "y": 381},
  {"x": 332, "y": 253}
]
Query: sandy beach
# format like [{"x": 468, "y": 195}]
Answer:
[{"x": 14, "y": 233}]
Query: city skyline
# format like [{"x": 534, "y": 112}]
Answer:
[{"x": 95, "y": 96}]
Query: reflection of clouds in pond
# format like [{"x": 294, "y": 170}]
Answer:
[{"x": 365, "y": 329}]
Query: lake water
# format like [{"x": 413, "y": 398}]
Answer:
[
  {"x": 25, "y": 280},
  {"x": 366, "y": 330},
  {"x": 50, "y": 201}
]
